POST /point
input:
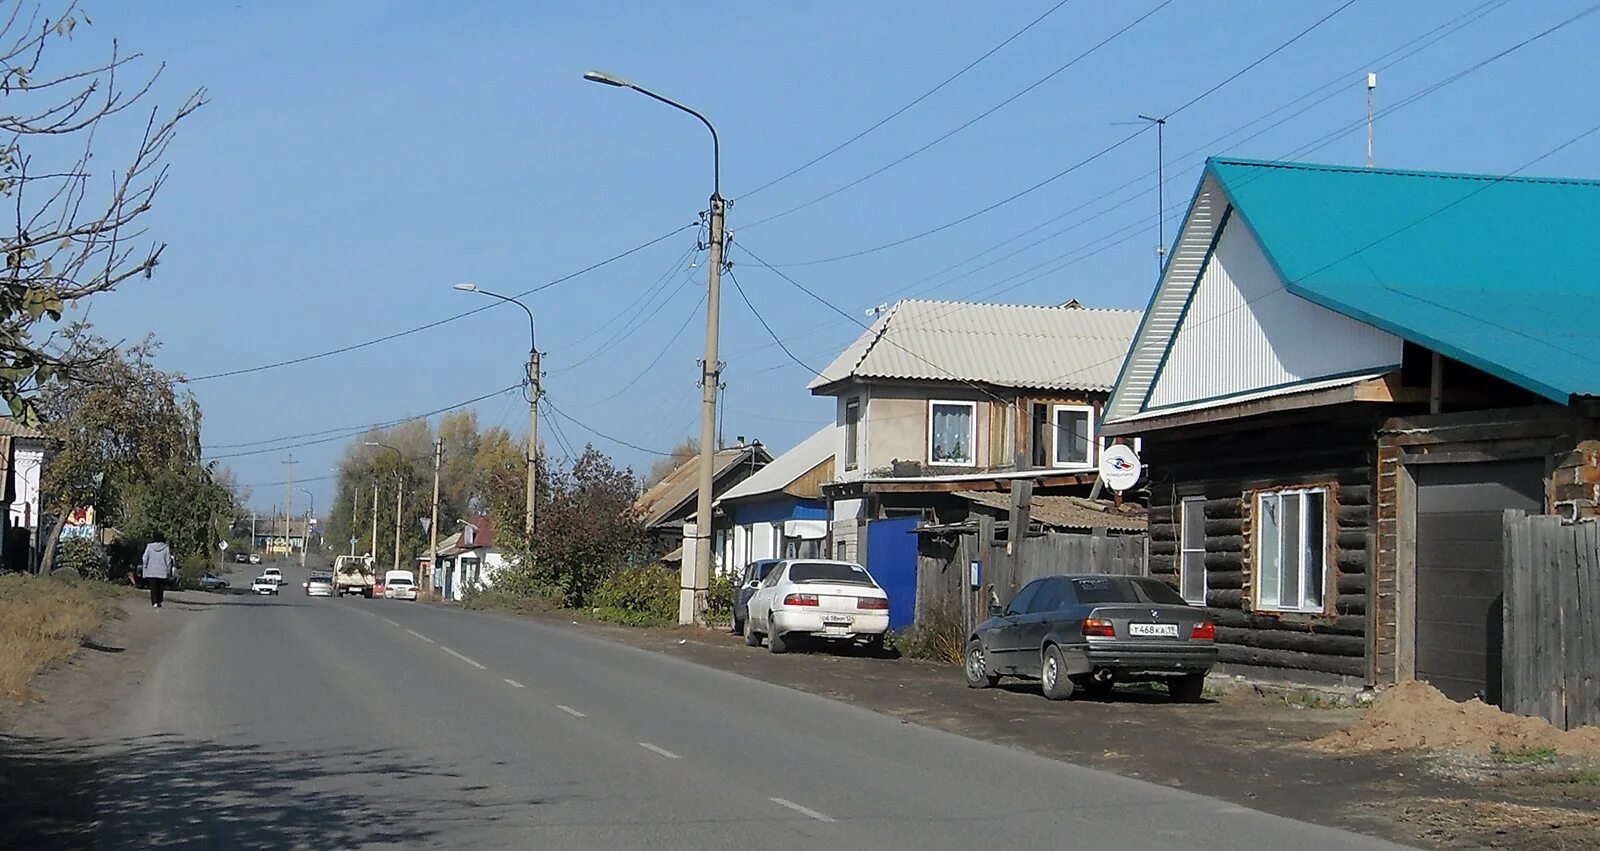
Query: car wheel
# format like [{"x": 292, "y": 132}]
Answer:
[
  {"x": 1053, "y": 679},
  {"x": 978, "y": 675},
  {"x": 1187, "y": 688},
  {"x": 775, "y": 642},
  {"x": 751, "y": 637}
]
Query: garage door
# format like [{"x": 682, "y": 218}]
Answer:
[{"x": 1459, "y": 570}]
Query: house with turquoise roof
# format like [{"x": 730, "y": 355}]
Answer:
[{"x": 1343, "y": 380}]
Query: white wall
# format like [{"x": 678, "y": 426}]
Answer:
[{"x": 26, "y": 467}]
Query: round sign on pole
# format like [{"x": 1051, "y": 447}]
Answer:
[{"x": 1119, "y": 467}]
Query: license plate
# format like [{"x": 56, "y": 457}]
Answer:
[
  {"x": 1153, "y": 630},
  {"x": 840, "y": 623}
]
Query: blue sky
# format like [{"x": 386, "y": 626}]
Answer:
[{"x": 358, "y": 159}]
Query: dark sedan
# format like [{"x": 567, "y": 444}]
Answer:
[
  {"x": 1085, "y": 633},
  {"x": 754, "y": 572}
]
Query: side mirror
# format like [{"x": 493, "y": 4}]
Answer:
[{"x": 995, "y": 610}]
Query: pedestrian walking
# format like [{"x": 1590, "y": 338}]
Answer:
[{"x": 157, "y": 568}]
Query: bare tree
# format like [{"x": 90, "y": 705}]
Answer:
[
  {"x": 662, "y": 467},
  {"x": 73, "y": 231}
]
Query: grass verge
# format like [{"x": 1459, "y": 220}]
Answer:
[{"x": 44, "y": 621}]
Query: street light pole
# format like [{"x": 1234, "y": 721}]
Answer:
[
  {"x": 433, "y": 518},
  {"x": 692, "y": 602},
  {"x": 399, "y": 499},
  {"x": 535, "y": 389},
  {"x": 311, "y": 511}
]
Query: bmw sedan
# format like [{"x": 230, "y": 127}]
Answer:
[{"x": 1087, "y": 632}]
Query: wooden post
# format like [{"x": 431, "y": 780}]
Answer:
[
  {"x": 985, "y": 556},
  {"x": 1017, "y": 531}
]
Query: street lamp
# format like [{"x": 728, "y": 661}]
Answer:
[
  {"x": 692, "y": 599},
  {"x": 535, "y": 389},
  {"x": 305, "y": 531},
  {"x": 399, "y": 499}
]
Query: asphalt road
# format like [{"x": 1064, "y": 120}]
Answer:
[{"x": 292, "y": 722}]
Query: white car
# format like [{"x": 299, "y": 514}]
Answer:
[
  {"x": 273, "y": 574},
  {"x": 319, "y": 585},
  {"x": 255, "y": 558},
  {"x": 265, "y": 585},
  {"x": 399, "y": 585},
  {"x": 831, "y": 600}
]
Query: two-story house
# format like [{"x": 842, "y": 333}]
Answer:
[{"x": 938, "y": 398}]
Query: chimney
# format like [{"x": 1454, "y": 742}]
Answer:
[{"x": 740, "y": 441}]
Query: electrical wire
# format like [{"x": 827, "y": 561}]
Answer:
[
  {"x": 435, "y": 324},
  {"x": 653, "y": 361},
  {"x": 897, "y": 113},
  {"x": 600, "y": 434},
  {"x": 771, "y": 333},
  {"x": 974, "y": 120}
]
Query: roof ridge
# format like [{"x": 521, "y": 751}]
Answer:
[
  {"x": 1403, "y": 172},
  {"x": 1061, "y": 307}
]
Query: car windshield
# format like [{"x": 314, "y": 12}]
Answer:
[
  {"x": 823, "y": 571},
  {"x": 1104, "y": 589}
]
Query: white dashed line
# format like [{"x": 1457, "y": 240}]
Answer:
[
  {"x": 463, "y": 658},
  {"x": 421, "y": 636},
  {"x": 662, "y": 751},
  {"x": 514, "y": 684},
  {"x": 805, "y": 811},
  {"x": 574, "y": 713},
  {"x": 390, "y": 622}
]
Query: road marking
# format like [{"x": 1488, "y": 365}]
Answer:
[
  {"x": 389, "y": 622},
  {"x": 575, "y": 713},
  {"x": 515, "y": 684},
  {"x": 463, "y": 658},
  {"x": 805, "y": 811},
  {"x": 663, "y": 751},
  {"x": 420, "y": 635}
]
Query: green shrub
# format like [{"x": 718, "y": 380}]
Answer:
[
  {"x": 85, "y": 555},
  {"x": 640, "y": 596},
  {"x": 719, "y": 599}
]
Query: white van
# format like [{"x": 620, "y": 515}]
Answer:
[{"x": 399, "y": 585}]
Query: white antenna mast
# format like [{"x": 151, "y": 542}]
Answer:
[
  {"x": 1372, "y": 85},
  {"x": 1161, "y": 191}
]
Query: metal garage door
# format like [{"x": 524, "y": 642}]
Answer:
[{"x": 1459, "y": 570}]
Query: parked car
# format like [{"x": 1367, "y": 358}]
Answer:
[
  {"x": 754, "y": 572},
  {"x": 264, "y": 585},
  {"x": 831, "y": 600},
  {"x": 319, "y": 585},
  {"x": 399, "y": 585},
  {"x": 255, "y": 558},
  {"x": 1088, "y": 632},
  {"x": 212, "y": 582},
  {"x": 241, "y": 558}
]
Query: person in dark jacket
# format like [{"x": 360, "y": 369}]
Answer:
[{"x": 157, "y": 567}]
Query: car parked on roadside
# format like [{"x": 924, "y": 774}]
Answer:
[
  {"x": 399, "y": 585},
  {"x": 255, "y": 558},
  {"x": 241, "y": 558},
  {"x": 264, "y": 585},
  {"x": 836, "y": 601},
  {"x": 319, "y": 585},
  {"x": 754, "y": 572},
  {"x": 211, "y": 582},
  {"x": 1087, "y": 632}
]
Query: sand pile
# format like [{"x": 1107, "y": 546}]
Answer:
[{"x": 1416, "y": 716}]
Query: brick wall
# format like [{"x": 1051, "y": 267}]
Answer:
[
  {"x": 1385, "y": 564},
  {"x": 1575, "y": 484}
]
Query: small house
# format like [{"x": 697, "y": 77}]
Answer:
[
  {"x": 669, "y": 504},
  {"x": 778, "y": 512}
]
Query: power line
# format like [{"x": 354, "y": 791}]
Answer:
[
  {"x": 974, "y": 120},
  {"x": 771, "y": 333},
  {"x": 597, "y": 433},
  {"x": 653, "y": 361},
  {"x": 435, "y": 324},
  {"x": 897, "y": 113}
]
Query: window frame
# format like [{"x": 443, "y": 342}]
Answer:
[
  {"x": 852, "y": 433},
  {"x": 1088, "y": 438},
  {"x": 1258, "y": 499},
  {"x": 972, "y": 433},
  {"x": 1184, "y": 550}
]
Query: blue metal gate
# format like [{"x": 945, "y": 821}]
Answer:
[{"x": 892, "y": 560}]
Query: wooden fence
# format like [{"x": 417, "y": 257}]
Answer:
[
  {"x": 944, "y": 561},
  {"x": 1551, "y": 662}
]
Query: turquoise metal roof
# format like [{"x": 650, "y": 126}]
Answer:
[{"x": 1496, "y": 272}]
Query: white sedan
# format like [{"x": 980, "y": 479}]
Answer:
[
  {"x": 264, "y": 585},
  {"x": 831, "y": 600}
]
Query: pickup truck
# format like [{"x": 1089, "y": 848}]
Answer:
[{"x": 353, "y": 575}]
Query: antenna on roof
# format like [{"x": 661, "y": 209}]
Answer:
[
  {"x": 1372, "y": 85},
  {"x": 876, "y": 311},
  {"x": 1161, "y": 191}
]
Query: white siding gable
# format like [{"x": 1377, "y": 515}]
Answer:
[{"x": 1244, "y": 332}]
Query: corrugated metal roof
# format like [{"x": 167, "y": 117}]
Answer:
[
  {"x": 1069, "y": 512},
  {"x": 11, "y": 428},
  {"x": 1488, "y": 270},
  {"x": 680, "y": 485},
  {"x": 1005, "y": 345},
  {"x": 786, "y": 468}
]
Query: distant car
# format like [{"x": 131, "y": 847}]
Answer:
[
  {"x": 274, "y": 574},
  {"x": 754, "y": 572},
  {"x": 264, "y": 585},
  {"x": 1087, "y": 632},
  {"x": 399, "y": 585},
  {"x": 319, "y": 585},
  {"x": 255, "y": 558},
  {"x": 241, "y": 558},
  {"x": 808, "y": 598},
  {"x": 212, "y": 582}
]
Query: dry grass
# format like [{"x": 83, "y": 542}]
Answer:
[{"x": 44, "y": 621}]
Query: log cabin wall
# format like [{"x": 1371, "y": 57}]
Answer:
[{"x": 1228, "y": 464}]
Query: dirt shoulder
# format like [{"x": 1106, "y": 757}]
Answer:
[{"x": 1252, "y": 748}]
